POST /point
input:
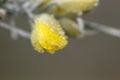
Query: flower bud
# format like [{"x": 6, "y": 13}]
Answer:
[
  {"x": 47, "y": 34},
  {"x": 71, "y": 28}
]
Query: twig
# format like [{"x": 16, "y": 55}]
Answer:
[
  {"x": 103, "y": 28},
  {"x": 18, "y": 31}
]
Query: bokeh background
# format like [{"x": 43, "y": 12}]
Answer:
[{"x": 91, "y": 58}]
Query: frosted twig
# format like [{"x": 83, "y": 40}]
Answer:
[
  {"x": 103, "y": 28},
  {"x": 81, "y": 25},
  {"x": 18, "y": 31}
]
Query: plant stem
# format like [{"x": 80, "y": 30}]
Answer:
[
  {"x": 103, "y": 28},
  {"x": 18, "y": 31}
]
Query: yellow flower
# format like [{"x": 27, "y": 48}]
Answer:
[
  {"x": 76, "y": 5},
  {"x": 47, "y": 34}
]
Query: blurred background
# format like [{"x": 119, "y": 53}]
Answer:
[{"x": 91, "y": 58}]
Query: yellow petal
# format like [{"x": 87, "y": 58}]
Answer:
[
  {"x": 34, "y": 40},
  {"x": 50, "y": 34}
]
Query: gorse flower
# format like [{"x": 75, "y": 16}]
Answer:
[{"x": 47, "y": 34}]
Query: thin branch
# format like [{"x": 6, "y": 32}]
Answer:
[
  {"x": 18, "y": 31},
  {"x": 27, "y": 10},
  {"x": 103, "y": 28}
]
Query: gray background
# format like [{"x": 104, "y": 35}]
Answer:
[{"x": 91, "y": 58}]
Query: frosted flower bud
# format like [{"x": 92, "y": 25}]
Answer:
[
  {"x": 47, "y": 34},
  {"x": 71, "y": 28}
]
